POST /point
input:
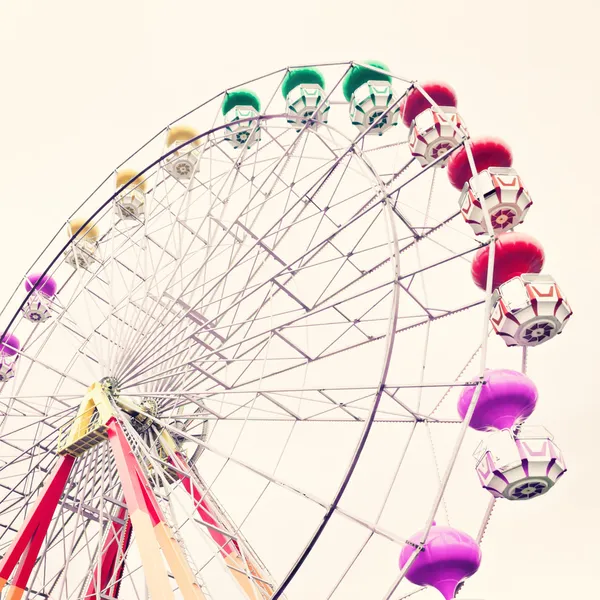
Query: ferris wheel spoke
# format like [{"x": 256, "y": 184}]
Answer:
[
  {"x": 68, "y": 321},
  {"x": 176, "y": 300},
  {"x": 111, "y": 291},
  {"x": 82, "y": 322},
  {"x": 251, "y": 338},
  {"x": 133, "y": 328},
  {"x": 164, "y": 309},
  {"x": 136, "y": 328},
  {"x": 409, "y": 275},
  {"x": 126, "y": 273},
  {"x": 345, "y": 407},
  {"x": 346, "y": 259},
  {"x": 184, "y": 304},
  {"x": 290, "y": 194},
  {"x": 380, "y": 510},
  {"x": 156, "y": 270},
  {"x": 74, "y": 331},
  {"x": 263, "y": 284},
  {"x": 17, "y": 501},
  {"x": 236, "y": 171},
  {"x": 26, "y": 372},
  {"x": 49, "y": 367},
  {"x": 321, "y": 407},
  {"x": 232, "y": 536},
  {"x": 271, "y": 479},
  {"x": 423, "y": 322},
  {"x": 39, "y": 441},
  {"x": 336, "y": 163},
  {"x": 301, "y": 364}
]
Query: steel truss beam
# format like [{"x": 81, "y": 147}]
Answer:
[
  {"x": 145, "y": 518},
  {"x": 152, "y": 532},
  {"x": 108, "y": 574},
  {"x": 244, "y": 569},
  {"x": 26, "y": 545}
]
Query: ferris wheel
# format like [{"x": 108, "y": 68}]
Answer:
[{"x": 255, "y": 361}]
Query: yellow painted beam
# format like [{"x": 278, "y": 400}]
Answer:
[
  {"x": 155, "y": 571},
  {"x": 14, "y": 593},
  {"x": 251, "y": 586},
  {"x": 95, "y": 399},
  {"x": 176, "y": 560}
]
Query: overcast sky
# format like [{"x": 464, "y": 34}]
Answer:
[{"x": 85, "y": 84}]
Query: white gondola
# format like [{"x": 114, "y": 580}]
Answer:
[
  {"x": 41, "y": 289},
  {"x": 521, "y": 466},
  {"x": 505, "y": 199},
  {"x": 7, "y": 369},
  {"x": 529, "y": 310},
  {"x": 37, "y": 309},
  {"x": 83, "y": 249},
  {"x": 434, "y": 132},
  {"x": 369, "y": 107},
  {"x": 243, "y": 128},
  {"x": 306, "y": 105},
  {"x": 9, "y": 353},
  {"x": 183, "y": 154},
  {"x": 130, "y": 203}
]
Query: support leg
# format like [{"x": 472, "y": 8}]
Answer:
[
  {"x": 108, "y": 574},
  {"x": 151, "y": 530},
  {"x": 26, "y": 545},
  {"x": 245, "y": 571}
]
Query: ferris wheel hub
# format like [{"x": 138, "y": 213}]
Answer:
[
  {"x": 145, "y": 412},
  {"x": 111, "y": 386},
  {"x": 142, "y": 411}
]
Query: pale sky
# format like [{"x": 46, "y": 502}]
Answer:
[{"x": 85, "y": 84}]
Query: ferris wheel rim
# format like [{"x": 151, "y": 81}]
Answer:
[
  {"x": 112, "y": 198},
  {"x": 348, "y": 63}
]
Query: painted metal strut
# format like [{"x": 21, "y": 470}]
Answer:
[
  {"x": 95, "y": 422},
  {"x": 152, "y": 533},
  {"x": 244, "y": 569},
  {"x": 26, "y": 545},
  {"x": 108, "y": 574},
  {"x": 139, "y": 512}
]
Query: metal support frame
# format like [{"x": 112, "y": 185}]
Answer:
[
  {"x": 26, "y": 545},
  {"x": 151, "y": 530},
  {"x": 133, "y": 342},
  {"x": 84, "y": 433},
  {"x": 244, "y": 570},
  {"x": 153, "y": 534},
  {"x": 108, "y": 574}
]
